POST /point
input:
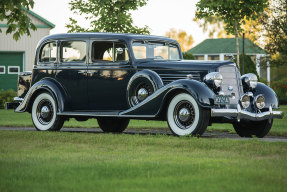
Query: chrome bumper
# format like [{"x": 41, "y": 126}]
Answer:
[{"x": 242, "y": 114}]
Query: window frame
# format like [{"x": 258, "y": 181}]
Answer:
[
  {"x": 4, "y": 67},
  {"x": 91, "y": 61},
  {"x": 72, "y": 62},
  {"x": 13, "y": 73},
  {"x": 40, "y": 52},
  {"x": 175, "y": 44}
]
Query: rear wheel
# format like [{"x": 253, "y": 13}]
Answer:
[
  {"x": 249, "y": 128},
  {"x": 44, "y": 113},
  {"x": 113, "y": 125},
  {"x": 186, "y": 117}
]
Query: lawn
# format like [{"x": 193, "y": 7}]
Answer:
[
  {"x": 10, "y": 119},
  {"x": 62, "y": 161}
]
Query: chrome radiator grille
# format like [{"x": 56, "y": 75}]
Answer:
[
  {"x": 168, "y": 77},
  {"x": 231, "y": 80}
]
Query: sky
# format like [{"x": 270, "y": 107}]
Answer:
[{"x": 159, "y": 15}]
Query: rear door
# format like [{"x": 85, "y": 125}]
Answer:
[
  {"x": 72, "y": 72},
  {"x": 109, "y": 72}
]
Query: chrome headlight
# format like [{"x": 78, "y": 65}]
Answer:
[
  {"x": 245, "y": 101},
  {"x": 249, "y": 80},
  {"x": 214, "y": 79},
  {"x": 259, "y": 101}
]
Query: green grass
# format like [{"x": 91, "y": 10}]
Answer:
[
  {"x": 10, "y": 119},
  {"x": 61, "y": 161}
]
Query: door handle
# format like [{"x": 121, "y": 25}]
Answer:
[{"x": 81, "y": 72}]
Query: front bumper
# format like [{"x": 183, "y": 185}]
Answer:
[{"x": 242, "y": 114}]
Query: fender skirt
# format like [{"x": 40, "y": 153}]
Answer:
[
  {"x": 48, "y": 85},
  {"x": 153, "y": 104}
]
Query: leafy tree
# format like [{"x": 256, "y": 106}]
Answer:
[
  {"x": 234, "y": 13},
  {"x": 188, "y": 56},
  {"x": 14, "y": 13},
  {"x": 181, "y": 36},
  {"x": 274, "y": 23},
  {"x": 107, "y": 16}
]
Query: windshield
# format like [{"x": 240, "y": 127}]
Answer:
[{"x": 155, "y": 50}]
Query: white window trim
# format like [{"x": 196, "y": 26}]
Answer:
[
  {"x": 2, "y": 66},
  {"x": 13, "y": 67}
]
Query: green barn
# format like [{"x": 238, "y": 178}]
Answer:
[{"x": 18, "y": 56}]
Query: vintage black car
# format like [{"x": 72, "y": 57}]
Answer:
[{"x": 118, "y": 77}]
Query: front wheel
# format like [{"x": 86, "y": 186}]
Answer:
[
  {"x": 249, "y": 128},
  {"x": 185, "y": 116},
  {"x": 44, "y": 113},
  {"x": 113, "y": 125}
]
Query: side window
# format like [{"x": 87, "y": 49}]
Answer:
[
  {"x": 13, "y": 69},
  {"x": 109, "y": 52},
  {"x": 73, "y": 51},
  {"x": 48, "y": 52},
  {"x": 2, "y": 69}
]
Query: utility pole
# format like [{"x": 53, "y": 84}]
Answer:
[{"x": 243, "y": 58}]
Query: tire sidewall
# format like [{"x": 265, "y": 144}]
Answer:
[
  {"x": 35, "y": 120},
  {"x": 170, "y": 115}
]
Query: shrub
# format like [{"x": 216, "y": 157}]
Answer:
[
  {"x": 249, "y": 65},
  {"x": 188, "y": 56},
  {"x": 280, "y": 87},
  {"x": 6, "y": 96}
]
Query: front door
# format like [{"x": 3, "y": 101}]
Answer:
[
  {"x": 72, "y": 72},
  {"x": 109, "y": 72}
]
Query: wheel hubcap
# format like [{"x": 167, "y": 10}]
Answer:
[
  {"x": 142, "y": 94},
  {"x": 184, "y": 114},
  {"x": 44, "y": 112}
]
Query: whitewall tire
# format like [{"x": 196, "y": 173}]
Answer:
[
  {"x": 185, "y": 116},
  {"x": 44, "y": 113}
]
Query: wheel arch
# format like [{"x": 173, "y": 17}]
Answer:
[
  {"x": 270, "y": 96},
  {"x": 45, "y": 85}
]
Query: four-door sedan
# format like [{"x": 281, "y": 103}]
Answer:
[{"x": 118, "y": 77}]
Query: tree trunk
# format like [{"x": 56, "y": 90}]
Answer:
[{"x": 237, "y": 43}]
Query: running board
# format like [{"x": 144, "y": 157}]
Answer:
[{"x": 103, "y": 114}]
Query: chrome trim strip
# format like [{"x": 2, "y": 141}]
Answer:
[{"x": 242, "y": 114}]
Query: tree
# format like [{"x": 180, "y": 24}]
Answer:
[
  {"x": 188, "y": 56},
  {"x": 107, "y": 16},
  {"x": 14, "y": 13},
  {"x": 183, "y": 39},
  {"x": 234, "y": 13},
  {"x": 274, "y": 23}
]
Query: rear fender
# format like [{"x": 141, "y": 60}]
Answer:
[{"x": 45, "y": 85}]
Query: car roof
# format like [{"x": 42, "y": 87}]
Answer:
[{"x": 120, "y": 36}]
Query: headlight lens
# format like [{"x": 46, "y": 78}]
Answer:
[
  {"x": 214, "y": 78},
  {"x": 249, "y": 80},
  {"x": 245, "y": 101},
  {"x": 259, "y": 101}
]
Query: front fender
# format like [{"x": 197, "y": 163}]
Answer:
[
  {"x": 49, "y": 85},
  {"x": 269, "y": 95},
  {"x": 153, "y": 104}
]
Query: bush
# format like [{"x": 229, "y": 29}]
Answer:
[
  {"x": 6, "y": 96},
  {"x": 280, "y": 87},
  {"x": 188, "y": 56}
]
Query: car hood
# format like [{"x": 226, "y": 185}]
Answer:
[{"x": 195, "y": 65}]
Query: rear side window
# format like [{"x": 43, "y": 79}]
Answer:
[
  {"x": 48, "y": 52},
  {"x": 73, "y": 51},
  {"x": 109, "y": 52}
]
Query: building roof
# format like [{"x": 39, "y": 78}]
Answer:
[
  {"x": 225, "y": 45},
  {"x": 47, "y": 24},
  {"x": 51, "y": 25}
]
